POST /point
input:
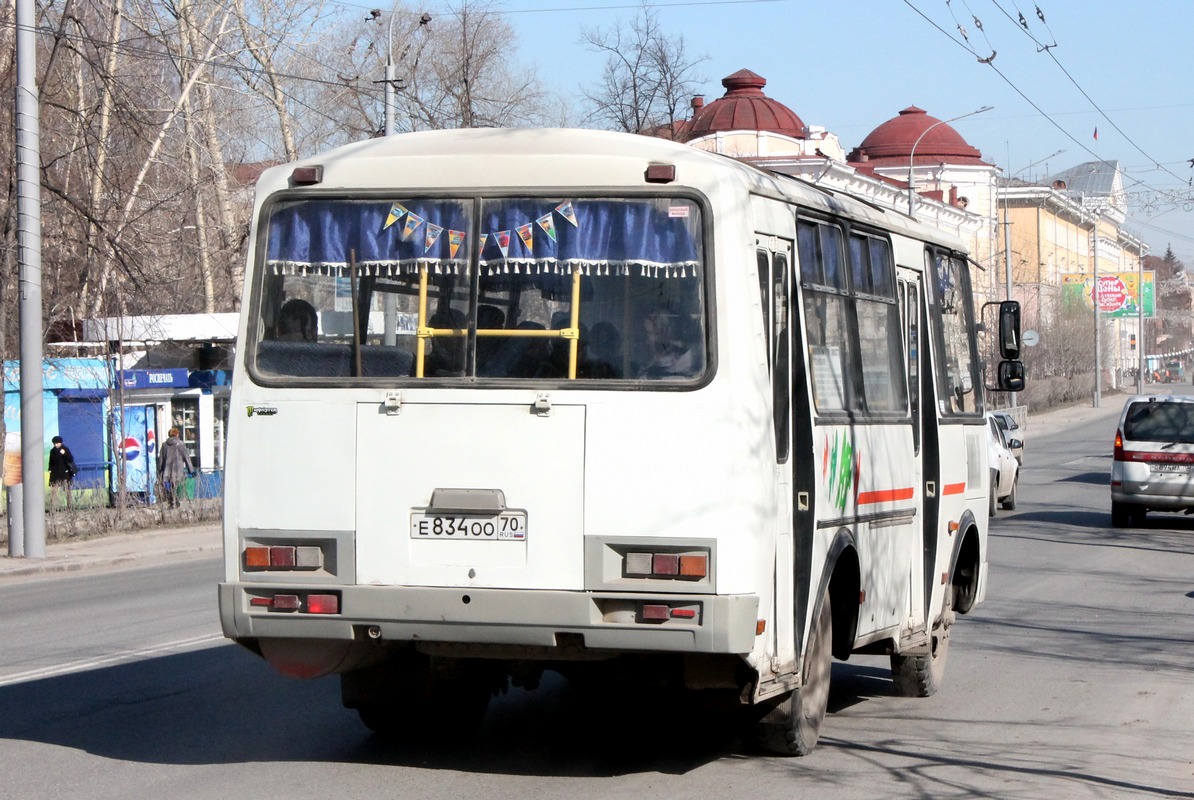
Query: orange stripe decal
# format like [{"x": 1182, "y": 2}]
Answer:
[
  {"x": 953, "y": 488},
  {"x": 885, "y": 496}
]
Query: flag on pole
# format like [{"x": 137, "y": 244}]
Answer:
[{"x": 1096, "y": 133}]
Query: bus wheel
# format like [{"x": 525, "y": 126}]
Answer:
[
  {"x": 413, "y": 699},
  {"x": 922, "y": 675},
  {"x": 793, "y": 726}
]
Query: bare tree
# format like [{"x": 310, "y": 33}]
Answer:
[{"x": 647, "y": 79}]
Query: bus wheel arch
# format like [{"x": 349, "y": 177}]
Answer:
[
  {"x": 843, "y": 582},
  {"x": 965, "y": 565}
]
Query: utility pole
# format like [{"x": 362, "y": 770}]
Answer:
[
  {"x": 28, "y": 147},
  {"x": 389, "y": 302},
  {"x": 1098, "y": 354}
]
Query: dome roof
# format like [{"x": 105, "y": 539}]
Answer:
[
  {"x": 745, "y": 107},
  {"x": 893, "y": 141}
]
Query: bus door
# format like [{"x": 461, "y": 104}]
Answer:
[
  {"x": 925, "y": 467},
  {"x": 774, "y": 261}
]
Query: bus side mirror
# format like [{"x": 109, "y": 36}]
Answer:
[
  {"x": 1011, "y": 376},
  {"x": 1009, "y": 331}
]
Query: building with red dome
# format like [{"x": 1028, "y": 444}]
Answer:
[{"x": 1028, "y": 238}]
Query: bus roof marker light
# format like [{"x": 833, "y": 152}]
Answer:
[
  {"x": 661, "y": 173},
  {"x": 307, "y": 176}
]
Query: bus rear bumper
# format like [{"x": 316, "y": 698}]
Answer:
[{"x": 500, "y": 617}]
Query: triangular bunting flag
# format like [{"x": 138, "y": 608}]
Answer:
[
  {"x": 565, "y": 210},
  {"x": 397, "y": 211},
  {"x": 548, "y": 225},
  {"x": 413, "y": 221},
  {"x": 455, "y": 239},
  {"x": 527, "y": 234},
  {"x": 433, "y": 232},
  {"x": 481, "y": 247},
  {"x": 503, "y": 240}
]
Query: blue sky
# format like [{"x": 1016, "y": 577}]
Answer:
[{"x": 849, "y": 65}]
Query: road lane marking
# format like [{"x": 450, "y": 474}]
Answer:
[{"x": 103, "y": 661}]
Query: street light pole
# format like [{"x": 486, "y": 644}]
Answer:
[
  {"x": 1038, "y": 161},
  {"x": 389, "y": 301},
  {"x": 391, "y": 126},
  {"x": 1098, "y": 350},
  {"x": 912, "y": 154}
]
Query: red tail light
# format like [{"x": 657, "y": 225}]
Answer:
[{"x": 1119, "y": 446}]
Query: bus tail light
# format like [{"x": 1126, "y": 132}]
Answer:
[
  {"x": 282, "y": 557},
  {"x": 662, "y": 612},
  {"x": 325, "y": 603},
  {"x": 668, "y": 565}
]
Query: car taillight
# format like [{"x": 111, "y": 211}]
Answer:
[{"x": 1119, "y": 446}]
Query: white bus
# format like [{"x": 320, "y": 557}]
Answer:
[{"x": 508, "y": 401}]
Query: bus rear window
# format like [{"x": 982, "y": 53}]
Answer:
[{"x": 504, "y": 289}]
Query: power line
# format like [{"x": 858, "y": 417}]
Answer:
[
  {"x": 989, "y": 60},
  {"x": 1022, "y": 25}
]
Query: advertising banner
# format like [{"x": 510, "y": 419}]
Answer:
[
  {"x": 1119, "y": 294},
  {"x": 12, "y": 458},
  {"x": 137, "y": 449}
]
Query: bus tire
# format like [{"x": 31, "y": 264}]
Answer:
[
  {"x": 922, "y": 675},
  {"x": 411, "y": 700},
  {"x": 793, "y": 726}
]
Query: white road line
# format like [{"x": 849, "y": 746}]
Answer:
[{"x": 114, "y": 658}]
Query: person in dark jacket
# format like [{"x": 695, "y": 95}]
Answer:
[
  {"x": 62, "y": 472},
  {"x": 174, "y": 464}
]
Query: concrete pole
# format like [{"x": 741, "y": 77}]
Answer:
[
  {"x": 16, "y": 526},
  {"x": 28, "y": 145},
  {"x": 1140, "y": 324},
  {"x": 389, "y": 301},
  {"x": 1098, "y": 350}
]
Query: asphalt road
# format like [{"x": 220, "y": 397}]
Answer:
[{"x": 1073, "y": 680}]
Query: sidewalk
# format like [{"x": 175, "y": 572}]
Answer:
[{"x": 140, "y": 548}]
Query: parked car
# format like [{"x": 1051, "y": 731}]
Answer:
[
  {"x": 1011, "y": 430},
  {"x": 1005, "y": 469},
  {"x": 1153, "y": 463}
]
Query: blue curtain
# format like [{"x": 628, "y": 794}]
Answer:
[{"x": 319, "y": 234}]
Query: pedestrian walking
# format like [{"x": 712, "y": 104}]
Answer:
[
  {"x": 174, "y": 464},
  {"x": 62, "y": 472}
]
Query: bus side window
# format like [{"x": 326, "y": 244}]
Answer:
[
  {"x": 763, "y": 263},
  {"x": 781, "y": 396}
]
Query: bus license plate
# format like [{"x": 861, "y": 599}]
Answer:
[{"x": 509, "y": 526}]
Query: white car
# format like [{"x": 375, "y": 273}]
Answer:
[
  {"x": 1011, "y": 430},
  {"x": 1153, "y": 463},
  {"x": 1005, "y": 469}
]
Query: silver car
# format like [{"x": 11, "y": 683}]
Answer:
[
  {"x": 1011, "y": 430},
  {"x": 1005, "y": 469},
  {"x": 1153, "y": 466}
]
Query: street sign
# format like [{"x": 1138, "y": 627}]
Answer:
[{"x": 1031, "y": 338}]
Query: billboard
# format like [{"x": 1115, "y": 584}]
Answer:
[{"x": 1119, "y": 293}]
